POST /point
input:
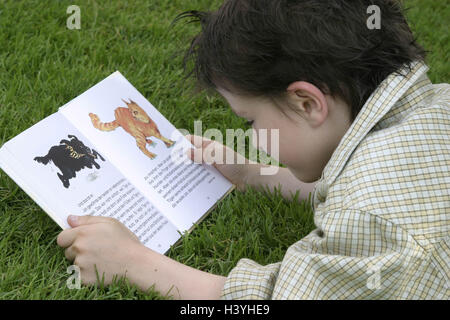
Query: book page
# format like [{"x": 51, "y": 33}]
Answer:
[
  {"x": 65, "y": 174},
  {"x": 147, "y": 149}
]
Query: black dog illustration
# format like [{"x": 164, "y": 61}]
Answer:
[{"x": 70, "y": 157}]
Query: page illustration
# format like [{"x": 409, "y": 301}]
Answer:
[
  {"x": 137, "y": 123},
  {"x": 71, "y": 156}
]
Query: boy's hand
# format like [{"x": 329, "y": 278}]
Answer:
[
  {"x": 208, "y": 150},
  {"x": 100, "y": 242}
]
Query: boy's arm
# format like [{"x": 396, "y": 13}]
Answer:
[
  {"x": 283, "y": 178},
  {"x": 173, "y": 278},
  {"x": 242, "y": 171},
  {"x": 104, "y": 246}
]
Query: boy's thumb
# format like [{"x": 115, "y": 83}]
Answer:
[{"x": 74, "y": 221}]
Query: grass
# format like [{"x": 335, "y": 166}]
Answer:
[{"x": 43, "y": 65}]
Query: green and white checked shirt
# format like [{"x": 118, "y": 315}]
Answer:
[{"x": 381, "y": 207}]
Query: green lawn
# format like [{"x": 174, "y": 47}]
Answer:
[{"x": 43, "y": 65}]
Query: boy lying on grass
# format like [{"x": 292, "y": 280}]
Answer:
[{"x": 360, "y": 125}]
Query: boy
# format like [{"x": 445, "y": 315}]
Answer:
[{"x": 355, "y": 111}]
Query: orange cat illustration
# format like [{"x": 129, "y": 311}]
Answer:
[{"x": 136, "y": 122}]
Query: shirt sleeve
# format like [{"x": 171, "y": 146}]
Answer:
[{"x": 353, "y": 255}]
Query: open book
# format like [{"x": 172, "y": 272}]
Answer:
[{"x": 109, "y": 152}]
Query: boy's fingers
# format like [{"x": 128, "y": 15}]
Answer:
[
  {"x": 212, "y": 154},
  {"x": 206, "y": 155},
  {"x": 75, "y": 221},
  {"x": 193, "y": 140},
  {"x": 66, "y": 238},
  {"x": 191, "y": 154},
  {"x": 70, "y": 254},
  {"x": 207, "y": 151},
  {"x": 197, "y": 141},
  {"x": 195, "y": 155},
  {"x": 188, "y": 138}
]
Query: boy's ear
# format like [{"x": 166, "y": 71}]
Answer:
[{"x": 309, "y": 101}]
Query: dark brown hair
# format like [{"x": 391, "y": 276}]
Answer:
[{"x": 259, "y": 47}]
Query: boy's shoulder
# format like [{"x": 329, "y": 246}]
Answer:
[
  {"x": 399, "y": 171},
  {"x": 393, "y": 161},
  {"x": 385, "y": 188},
  {"x": 422, "y": 114},
  {"x": 419, "y": 119}
]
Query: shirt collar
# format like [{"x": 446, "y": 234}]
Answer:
[{"x": 376, "y": 107}]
